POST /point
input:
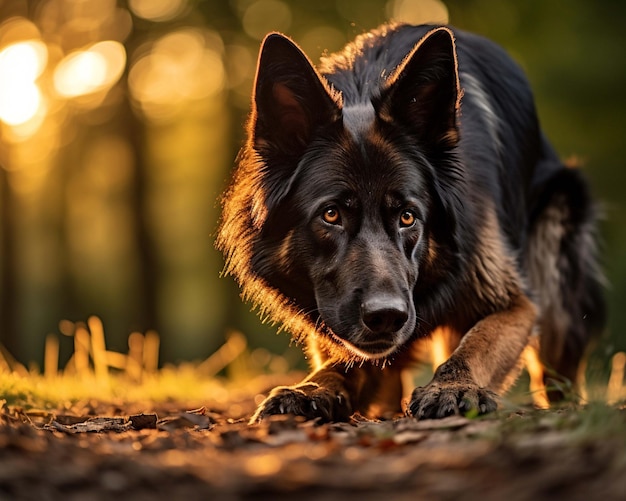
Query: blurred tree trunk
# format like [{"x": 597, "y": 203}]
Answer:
[
  {"x": 148, "y": 272},
  {"x": 8, "y": 303}
]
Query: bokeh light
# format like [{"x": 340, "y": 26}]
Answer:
[
  {"x": 18, "y": 102},
  {"x": 24, "y": 61},
  {"x": 418, "y": 11},
  {"x": 239, "y": 61},
  {"x": 20, "y": 66},
  {"x": 17, "y": 29},
  {"x": 263, "y": 16},
  {"x": 157, "y": 10},
  {"x": 88, "y": 71},
  {"x": 182, "y": 66}
]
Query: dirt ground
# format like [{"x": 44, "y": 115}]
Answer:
[{"x": 143, "y": 451}]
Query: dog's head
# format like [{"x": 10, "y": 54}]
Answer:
[{"x": 341, "y": 200}]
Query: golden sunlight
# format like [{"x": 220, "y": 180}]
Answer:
[
  {"x": 182, "y": 66},
  {"x": 418, "y": 11},
  {"x": 87, "y": 71},
  {"x": 20, "y": 66},
  {"x": 157, "y": 10}
]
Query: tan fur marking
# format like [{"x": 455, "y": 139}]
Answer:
[
  {"x": 535, "y": 371},
  {"x": 493, "y": 267}
]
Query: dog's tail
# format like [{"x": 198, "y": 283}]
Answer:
[{"x": 564, "y": 272}]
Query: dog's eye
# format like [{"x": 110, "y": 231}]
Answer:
[
  {"x": 331, "y": 215},
  {"x": 407, "y": 218}
]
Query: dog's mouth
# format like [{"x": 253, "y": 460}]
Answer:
[
  {"x": 368, "y": 350},
  {"x": 371, "y": 329}
]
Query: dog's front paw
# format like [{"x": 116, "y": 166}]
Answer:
[
  {"x": 438, "y": 400},
  {"x": 308, "y": 400}
]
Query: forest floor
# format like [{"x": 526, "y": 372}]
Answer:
[{"x": 182, "y": 449}]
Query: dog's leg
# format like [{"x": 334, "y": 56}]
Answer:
[
  {"x": 334, "y": 392},
  {"x": 480, "y": 368},
  {"x": 564, "y": 274}
]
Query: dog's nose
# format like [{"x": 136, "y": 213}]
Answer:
[{"x": 384, "y": 314}]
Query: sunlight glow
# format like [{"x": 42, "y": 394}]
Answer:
[
  {"x": 20, "y": 66},
  {"x": 80, "y": 73},
  {"x": 19, "y": 101},
  {"x": 157, "y": 10},
  {"x": 95, "y": 69},
  {"x": 181, "y": 67},
  {"x": 418, "y": 11},
  {"x": 24, "y": 60}
]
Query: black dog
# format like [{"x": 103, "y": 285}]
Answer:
[{"x": 406, "y": 186}]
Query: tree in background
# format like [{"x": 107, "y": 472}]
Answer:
[{"x": 119, "y": 123}]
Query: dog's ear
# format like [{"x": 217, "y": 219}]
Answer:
[
  {"x": 423, "y": 92},
  {"x": 290, "y": 97}
]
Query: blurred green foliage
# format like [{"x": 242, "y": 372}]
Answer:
[{"x": 109, "y": 193}]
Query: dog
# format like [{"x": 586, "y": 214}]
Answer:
[{"x": 404, "y": 187}]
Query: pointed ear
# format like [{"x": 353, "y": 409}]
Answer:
[
  {"x": 290, "y": 97},
  {"x": 423, "y": 93}
]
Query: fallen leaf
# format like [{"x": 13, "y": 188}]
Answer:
[
  {"x": 143, "y": 421},
  {"x": 93, "y": 425}
]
